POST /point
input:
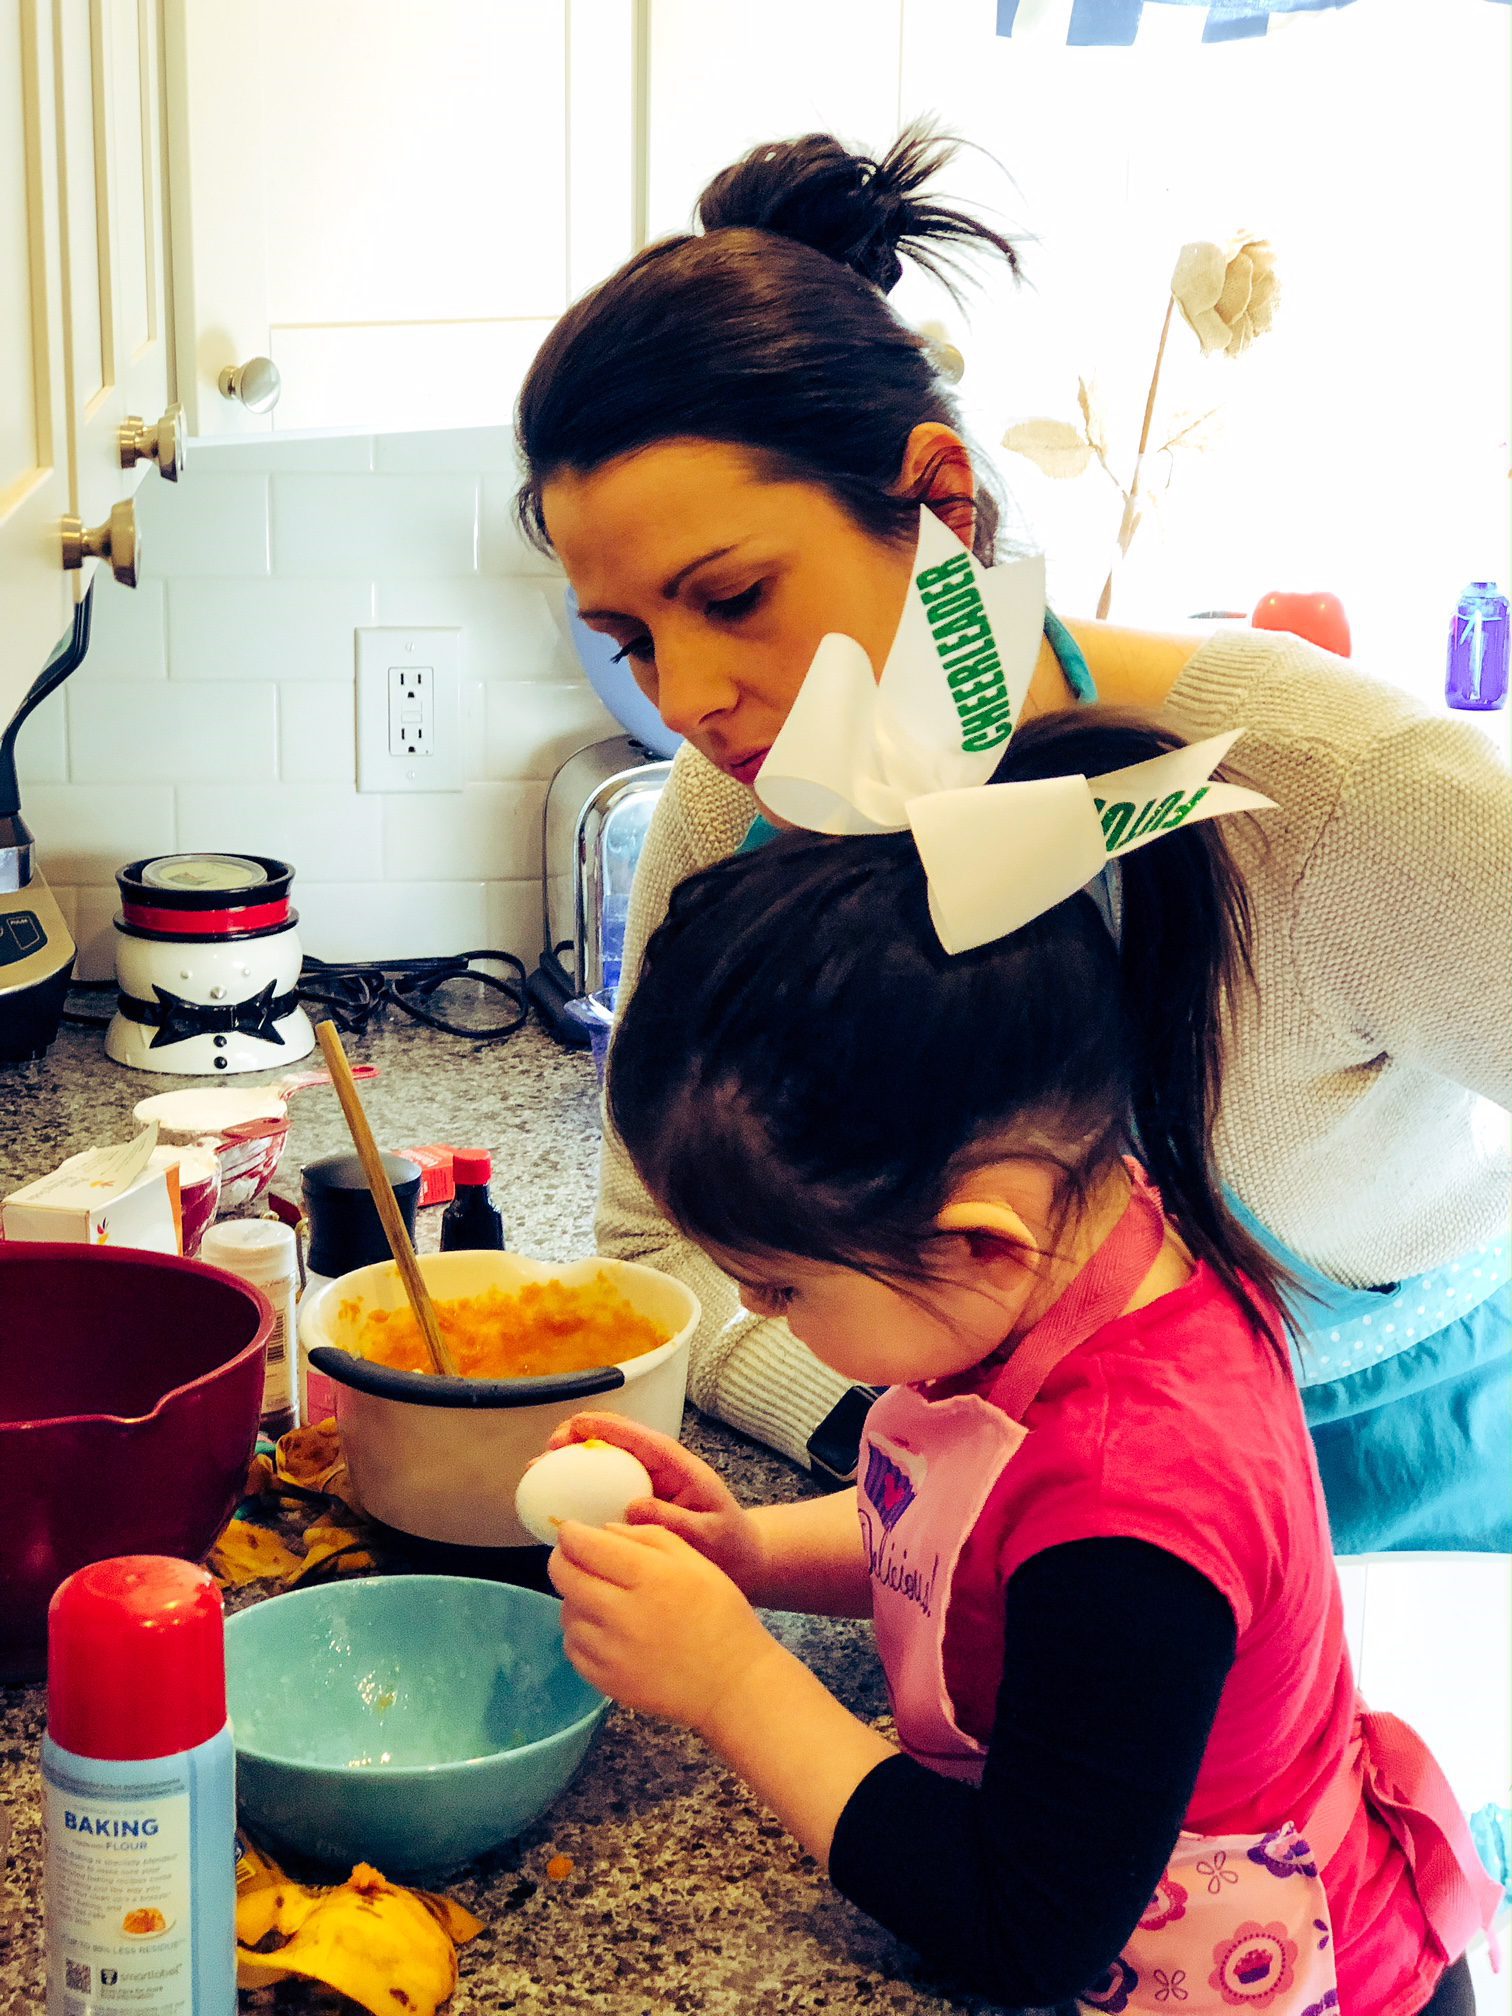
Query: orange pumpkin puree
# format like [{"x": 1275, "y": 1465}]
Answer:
[{"x": 546, "y": 1327}]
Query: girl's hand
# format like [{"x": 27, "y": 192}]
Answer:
[
  {"x": 691, "y": 1500},
  {"x": 651, "y": 1622}
]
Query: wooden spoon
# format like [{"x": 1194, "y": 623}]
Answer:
[{"x": 371, "y": 1158}]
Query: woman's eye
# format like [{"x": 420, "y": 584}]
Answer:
[
  {"x": 733, "y": 607},
  {"x": 641, "y": 649}
]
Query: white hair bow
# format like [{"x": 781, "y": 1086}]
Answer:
[{"x": 911, "y": 750}]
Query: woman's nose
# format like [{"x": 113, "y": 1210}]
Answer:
[{"x": 691, "y": 688}]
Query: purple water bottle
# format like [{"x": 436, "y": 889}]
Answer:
[{"x": 1476, "y": 678}]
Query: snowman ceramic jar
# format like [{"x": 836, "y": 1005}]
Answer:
[{"x": 207, "y": 966}]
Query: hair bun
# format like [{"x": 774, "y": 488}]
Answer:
[{"x": 865, "y": 214}]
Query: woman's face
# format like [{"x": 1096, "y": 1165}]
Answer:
[{"x": 718, "y": 583}]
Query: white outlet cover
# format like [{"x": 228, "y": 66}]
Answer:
[{"x": 381, "y": 652}]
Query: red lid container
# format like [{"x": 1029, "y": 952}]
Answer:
[
  {"x": 472, "y": 1165},
  {"x": 136, "y": 1662}
]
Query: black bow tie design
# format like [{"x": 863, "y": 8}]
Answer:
[{"x": 173, "y": 1020}]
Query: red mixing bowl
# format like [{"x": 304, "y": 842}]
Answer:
[{"x": 130, "y": 1390}]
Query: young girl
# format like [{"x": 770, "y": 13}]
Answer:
[{"x": 1133, "y": 1769}]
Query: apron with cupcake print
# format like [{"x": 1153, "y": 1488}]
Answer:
[{"x": 1238, "y": 1921}]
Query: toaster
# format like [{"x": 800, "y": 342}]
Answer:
[{"x": 598, "y": 808}]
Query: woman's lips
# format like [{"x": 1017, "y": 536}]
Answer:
[{"x": 745, "y": 770}]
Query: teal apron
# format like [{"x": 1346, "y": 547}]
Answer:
[{"x": 1407, "y": 1388}]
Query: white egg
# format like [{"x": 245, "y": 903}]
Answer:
[{"x": 593, "y": 1482}]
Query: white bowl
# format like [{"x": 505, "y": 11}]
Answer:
[{"x": 441, "y": 1458}]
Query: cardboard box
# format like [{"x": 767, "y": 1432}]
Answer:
[{"x": 103, "y": 1197}]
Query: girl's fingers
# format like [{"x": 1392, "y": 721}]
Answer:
[
  {"x": 675, "y": 1473},
  {"x": 649, "y": 1512},
  {"x": 615, "y": 1555}
]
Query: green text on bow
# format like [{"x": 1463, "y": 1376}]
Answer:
[
  {"x": 968, "y": 652},
  {"x": 1123, "y": 822}
]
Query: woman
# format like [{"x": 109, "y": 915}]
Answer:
[{"x": 726, "y": 445}]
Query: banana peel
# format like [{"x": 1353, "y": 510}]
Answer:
[
  {"x": 385, "y": 1948},
  {"x": 266, "y": 1900},
  {"x": 311, "y": 1457},
  {"x": 325, "y": 1539},
  {"x": 246, "y": 1552}
]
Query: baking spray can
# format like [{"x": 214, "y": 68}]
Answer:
[{"x": 139, "y": 1794}]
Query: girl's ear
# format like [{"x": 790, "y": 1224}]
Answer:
[{"x": 994, "y": 1220}]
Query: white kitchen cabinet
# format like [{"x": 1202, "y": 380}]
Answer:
[
  {"x": 84, "y": 332},
  {"x": 36, "y": 597},
  {"x": 392, "y": 203},
  {"x": 110, "y": 127}
]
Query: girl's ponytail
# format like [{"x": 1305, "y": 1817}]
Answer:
[{"x": 1183, "y": 928}]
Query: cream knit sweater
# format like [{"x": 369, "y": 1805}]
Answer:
[{"x": 1354, "y": 1121}]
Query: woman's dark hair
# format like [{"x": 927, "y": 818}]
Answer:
[
  {"x": 803, "y": 1070},
  {"x": 768, "y": 330}
]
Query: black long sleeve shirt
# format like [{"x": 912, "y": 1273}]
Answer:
[{"x": 1027, "y": 1887}]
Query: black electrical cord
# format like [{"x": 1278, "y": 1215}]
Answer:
[{"x": 356, "y": 993}]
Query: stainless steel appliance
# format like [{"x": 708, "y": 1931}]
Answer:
[{"x": 597, "y": 811}]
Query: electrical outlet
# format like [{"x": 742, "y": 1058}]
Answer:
[{"x": 409, "y": 725}]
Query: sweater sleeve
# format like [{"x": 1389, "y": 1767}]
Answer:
[
  {"x": 748, "y": 1371},
  {"x": 1405, "y": 906},
  {"x": 1028, "y": 1887}
]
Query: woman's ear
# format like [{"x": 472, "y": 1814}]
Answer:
[{"x": 937, "y": 471}]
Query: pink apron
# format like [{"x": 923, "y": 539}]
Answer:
[{"x": 1238, "y": 1921}]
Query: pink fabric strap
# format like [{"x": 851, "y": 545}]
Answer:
[
  {"x": 1099, "y": 1293},
  {"x": 1390, "y": 1765}
]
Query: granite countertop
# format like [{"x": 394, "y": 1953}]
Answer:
[{"x": 684, "y": 1893}]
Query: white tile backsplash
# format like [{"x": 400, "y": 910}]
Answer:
[
  {"x": 292, "y": 631},
  {"x": 503, "y": 548},
  {"x": 317, "y": 741},
  {"x": 93, "y": 924},
  {"x": 333, "y": 830},
  {"x": 86, "y": 831},
  {"x": 275, "y": 454},
  {"x": 472, "y": 451},
  {"x": 126, "y": 629},
  {"x": 205, "y": 524},
  {"x": 517, "y": 919},
  {"x": 158, "y": 731},
  {"x": 508, "y": 630},
  {"x": 42, "y": 745},
  {"x": 401, "y": 920},
  {"x": 215, "y": 708},
  {"x": 531, "y": 729},
  {"x": 373, "y": 526},
  {"x": 489, "y": 830}
]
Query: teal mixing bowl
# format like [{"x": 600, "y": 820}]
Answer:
[{"x": 410, "y": 1721}]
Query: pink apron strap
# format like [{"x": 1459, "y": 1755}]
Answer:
[
  {"x": 1098, "y": 1294},
  {"x": 1388, "y": 1763}
]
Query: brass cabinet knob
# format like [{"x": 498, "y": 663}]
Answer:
[
  {"x": 117, "y": 541},
  {"x": 163, "y": 444},
  {"x": 256, "y": 384}
]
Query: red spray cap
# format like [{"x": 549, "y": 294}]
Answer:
[
  {"x": 136, "y": 1659},
  {"x": 472, "y": 1165}
]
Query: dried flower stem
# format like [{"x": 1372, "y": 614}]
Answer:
[{"x": 1131, "y": 511}]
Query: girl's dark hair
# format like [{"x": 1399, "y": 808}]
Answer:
[
  {"x": 768, "y": 330},
  {"x": 803, "y": 1070}
]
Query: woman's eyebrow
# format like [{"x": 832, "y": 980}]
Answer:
[{"x": 669, "y": 588}]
